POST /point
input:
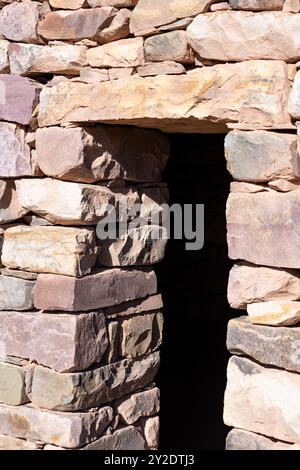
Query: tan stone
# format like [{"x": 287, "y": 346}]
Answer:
[
  {"x": 284, "y": 186},
  {"x": 19, "y": 20},
  {"x": 82, "y": 390},
  {"x": 123, "y": 53},
  {"x": 28, "y": 59},
  {"x": 266, "y": 35},
  {"x": 248, "y": 284},
  {"x": 12, "y": 385},
  {"x": 14, "y": 443},
  {"x": 67, "y": 4},
  {"x": 63, "y": 342},
  {"x": 220, "y": 6},
  {"x": 69, "y": 430},
  {"x": 291, "y": 5},
  {"x": 118, "y": 28},
  {"x": 93, "y": 75},
  {"x": 262, "y": 400},
  {"x": 160, "y": 68},
  {"x": 121, "y": 72},
  {"x": 205, "y": 99},
  {"x": 10, "y": 208},
  {"x": 59, "y": 250},
  {"x": 169, "y": 46},
  {"x": 4, "y": 62},
  {"x": 101, "y": 153},
  {"x": 241, "y": 187},
  {"x": 138, "y": 405},
  {"x": 141, "y": 334},
  {"x": 238, "y": 439},
  {"x": 151, "y": 432},
  {"x": 113, "y": 3},
  {"x": 75, "y": 25},
  {"x": 128, "y": 438},
  {"x": 274, "y": 312},
  {"x": 294, "y": 99},
  {"x": 262, "y": 228},
  {"x": 257, "y": 5}
]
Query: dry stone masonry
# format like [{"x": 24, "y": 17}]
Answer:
[{"x": 87, "y": 90}]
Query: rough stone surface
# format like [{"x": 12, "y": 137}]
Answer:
[
  {"x": 266, "y": 35},
  {"x": 274, "y": 312},
  {"x": 257, "y": 5},
  {"x": 69, "y": 342},
  {"x": 291, "y": 5},
  {"x": 139, "y": 405},
  {"x": 4, "y": 62},
  {"x": 113, "y": 3},
  {"x": 19, "y": 20},
  {"x": 205, "y": 99},
  {"x": 169, "y": 46},
  {"x": 139, "y": 246},
  {"x": 160, "y": 68},
  {"x": 18, "y": 98},
  {"x": 151, "y": 432},
  {"x": 123, "y": 53},
  {"x": 141, "y": 334},
  {"x": 107, "y": 287},
  {"x": 248, "y": 284},
  {"x": 263, "y": 228},
  {"x": 30, "y": 59},
  {"x": 67, "y": 5},
  {"x": 238, "y": 439},
  {"x": 277, "y": 347},
  {"x": 102, "y": 153},
  {"x": 10, "y": 208},
  {"x": 75, "y": 391},
  {"x": 261, "y": 156},
  {"x": 128, "y": 438},
  {"x": 241, "y": 187},
  {"x": 19, "y": 274},
  {"x": 255, "y": 400},
  {"x": 75, "y": 25},
  {"x": 284, "y": 186},
  {"x": 58, "y": 250},
  {"x": 294, "y": 99},
  {"x": 16, "y": 293},
  {"x": 118, "y": 28},
  {"x": 12, "y": 385},
  {"x": 153, "y": 302},
  {"x": 14, "y": 443},
  {"x": 68, "y": 430}
]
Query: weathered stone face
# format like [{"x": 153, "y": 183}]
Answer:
[
  {"x": 10, "y": 208},
  {"x": 69, "y": 430},
  {"x": 139, "y": 405},
  {"x": 150, "y": 303},
  {"x": 14, "y": 443},
  {"x": 263, "y": 228},
  {"x": 209, "y": 98},
  {"x": 265, "y": 344},
  {"x": 75, "y": 25},
  {"x": 102, "y": 153},
  {"x": 238, "y": 439},
  {"x": 123, "y": 53},
  {"x": 16, "y": 293},
  {"x": 60, "y": 250},
  {"x": 118, "y": 28},
  {"x": 113, "y": 3},
  {"x": 254, "y": 400},
  {"x": 267, "y": 35},
  {"x": 76, "y": 391},
  {"x": 19, "y": 20},
  {"x": 151, "y": 431},
  {"x": 128, "y": 438},
  {"x": 141, "y": 334},
  {"x": 275, "y": 312},
  {"x": 262, "y": 156},
  {"x": 169, "y": 46},
  {"x": 4, "y": 62},
  {"x": 107, "y": 287},
  {"x": 257, "y": 5},
  {"x": 294, "y": 99},
  {"x": 160, "y": 68},
  {"x": 270, "y": 284},
  {"x": 70, "y": 342},
  {"x": 69, "y": 5},
  {"x": 12, "y": 385}
]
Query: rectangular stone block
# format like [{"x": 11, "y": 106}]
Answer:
[
  {"x": 10, "y": 208},
  {"x": 138, "y": 405},
  {"x": 30, "y": 59},
  {"x": 12, "y": 385},
  {"x": 249, "y": 284},
  {"x": 263, "y": 228},
  {"x": 262, "y": 400},
  {"x": 106, "y": 287},
  {"x": 238, "y": 439},
  {"x": 63, "y": 342},
  {"x": 14, "y": 443},
  {"x": 160, "y": 68},
  {"x": 103, "y": 153},
  {"x": 61, "y": 250},
  {"x": 128, "y": 438},
  {"x": 16, "y": 293},
  {"x": 153, "y": 302},
  {"x": 141, "y": 334},
  {"x": 266, "y": 35},
  {"x": 262, "y": 156},
  {"x": 69, "y": 430},
  {"x": 274, "y": 313},
  {"x": 21, "y": 97},
  {"x": 122, "y": 53},
  {"x": 77, "y": 391},
  {"x": 19, "y": 21},
  {"x": 205, "y": 105},
  {"x": 169, "y": 46},
  {"x": 257, "y": 5}
]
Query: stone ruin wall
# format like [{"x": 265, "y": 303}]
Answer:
[{"x": 81, "y": 322}]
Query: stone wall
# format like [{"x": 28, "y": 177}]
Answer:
[{"x": 81, "y": 320}]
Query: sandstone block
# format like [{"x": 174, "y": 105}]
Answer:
[
  {"x": 29, "y": 59},
  {"x": 261, "y": 156},
  {"x": 102, "y": 153},
  {"x": 255, "y": 400},
  {"x": 16, "y": 293},
  {"x": 169, "y": 46},
  {"x": 257, "y": 5},
  {"x": 141, "y": 334},
  {"x": 238, "y": 439},
  {"x": 15, "y": 155},
  {"x": 262, "y": 228},
  {"x": 121, "y": 72},
  {"x": 75, "y": 391},
  {"x": 128, "y": 438},
  {"x": 249, "y": 284},
  {"x": 151, "y": 432},
  {"x": 106, "y": 287},
  {"x": 4, "y": 62},
  {"x": 277, "y": 347},
  {"x": 284, "y": 186},
  {"x": 118, "y": 28},
  {"x": 60, "y": 250},
  {"x": 294, "y": 99},
  {"x": 150, "y": 303},
  {"x": 220, "y": 6},
  {"x": 275, "y": 312},
  {"x": 18, "y": 98},
  {"x": 69, "y": 430},
  {"x": 141, "y": 404},
  {"x": 93, "y": 75},
  {"x": 139, "y": 246},
  {"x": 291, "y": 5},
  {"x": 122, "y": 53},
  {"x": 160, "y": 68},
  {"x": 241, "y": 187},
  {"x": 14, "y": 443},
  {"x": 19, "y": 20},
  {"x": 67, "y": 5},
  {"x": 70, "y": 342},
  {"x": 266, "y": 35},
  {"x": 75, "y": 25},
  {"x": 10, "y": 208},
  {"x": 112, "y": 3},
  {"x": 206, "y": 97},
  {"x": 12, "y": 385},
  {"x": 19, "y": 274}
]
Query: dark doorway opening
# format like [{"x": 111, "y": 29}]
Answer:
[{"x": 192, "y": 375}]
